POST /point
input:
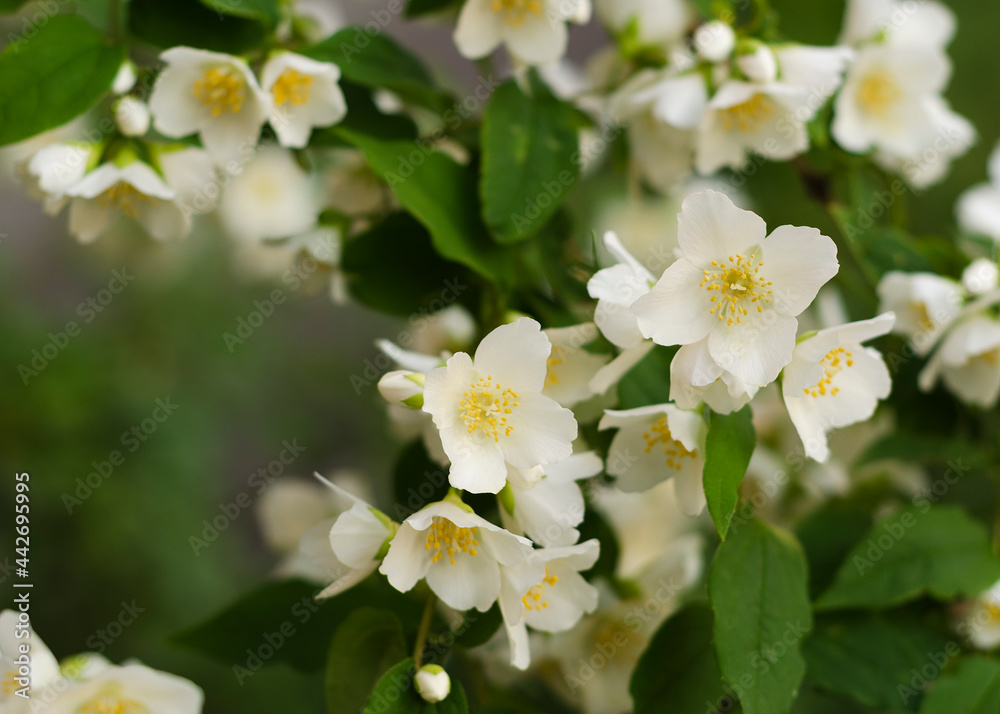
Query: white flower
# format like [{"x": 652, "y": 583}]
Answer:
[
  {"x": 924, "y": 304},
  {"x": 491, "y": 410},
  {"x": 212, "y": 94},
  {"x": 534, "y": 31},
  {"x": 304, "y": 94},
  {"x": 351, "y": 186},
  {"x": 715, "y": 40},
  {"x": 131, "y": 116},
  {"x": 26, "y": 664},
  {"x": 979, "y": 207},
  {"x": 272, "y": 197},
  {"x": 982, "y": 622},
  {"x": 547, "y": 592},
  {"x": 903, "y": 24},
  {"x": 546, "y": 503},
  {"x": 52, "y": 170},
  {"x": 695, "y": 378},
  {"x": 133, "y": 687},
  {"x": 832, "y": 381},
  {"x": 570, "y": 367},
  {"x": 655, "y": 443},
  {"x": 432, "y": 682},
  {"x": 981, "y": 276},
  {"x": 759, "y": 65},
  {"x": 737, "y": 288},
  {"x": 968, "y": 361},
  {"x": 660, "y": 23},
  {"x": 289, "y": 507},
  {"x": 457, "y": 552},
  {"x": 616, "y": 289},
  {"x": 134, "y": 190},
  {"x": 191, "y": 172}
]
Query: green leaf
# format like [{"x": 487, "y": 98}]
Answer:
[
  {"x": 395, "y": 694},
  {"x": 728, "y": 447},
  {"x": 442, "y": 196},
  {"x": 827, "y": 536},
  {"x": 923, "y": 448},
  {"x": 378, "y": 61},
  {"x": 286, "y": 612},
  {"x": 870, "y": 656},
  {"x": 11, "y": 6},
  {"x": 365, "y": 646},
  {"x": 679, "y": 667},
  {"x": 189, "y": 23},
  {"x": 938, "y": 551},
  {"x": 648, "y": 382},
  {"x": 758, "y": 586},
  {"x": 528, "y": 144},
  {"x": 973, "y": 689},
  {"x": 54, "y": 76},
  {"x": 364, "y": 117},
  {"x": 267, "y": 12},
  {"x": 393, "y": 268}
]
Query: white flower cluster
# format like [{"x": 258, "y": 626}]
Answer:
[{"x": 34, "y": 681}]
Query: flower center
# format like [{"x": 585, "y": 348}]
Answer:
[
  {"x": 485, "y": 408},
  {"x": 9, "y": 685},
  {"x": 739, "y": 287},
  {"x": 292, "y": 87},
  {"x": 445, "y": 538},
  {"x": 222, "y": 89},
  {"x": 832, "y": 363},
  {"x": 877, "y": 93},
  {"x": 556, "y": 357},
  {"x": 126, "y": 197},
  {"x": 516, "y": 11},
  {"x": 113, "y": 705},
  {"x": 659, "y": 433},
  {"x": 748, "y": 116},
  {"x": 532, "y": 599}
]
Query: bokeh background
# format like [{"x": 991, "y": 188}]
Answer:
[{"x": 162, "y": 337}]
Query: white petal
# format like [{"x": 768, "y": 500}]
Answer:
[
  {"x": 469, "y": 582},
  {"x": 755, "y": 350},
  {"x": 515, "y": 354},
  {"x": 979, "y": 211},
  {"x": 710, "y": 226},
  {"x": 357, "y": 536},
  {"x": 540, "y": 39},
  {"x": 677, "y": 311},
  {"x": 478, "y": 30},
  {"x": 408, "y": 560},
  {"x": 799, "y": 261},
  {"x": 611, "y": 373},
  {"x": 542, "y": 432}
]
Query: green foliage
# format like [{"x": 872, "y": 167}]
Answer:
[
  {"x": 393, "y": 267},
  {"x": 649, "y": 381},
  {"x": 376, "y": 61},
  {"x": 827, "y": 536},
  {"x": 11, "y": 6},
  {"x": 679, "y": 667},
  {"x": 54, "y": 76},
  {"x": 396, "y": 694},
  {"x": 192, "y": 24},
  {"x": 758, "y": 586},
  {"x": 287, "y": 612},
  {"x": 364, "y": 117},
  {"x": 868, "y": 656},
  {"x": 364, "y": 647},
  {"x": 478, "y": 627},
  {"x": 267, "y": 12},
  {"x": 933, "y": 550},
  {"x": 728, "y": 448},
  {"x": 529, "y": 142},
  {"x": 924, "y": 448},
  {"x": 973, "y": 689},
  {"x": 419, "y": 8}
]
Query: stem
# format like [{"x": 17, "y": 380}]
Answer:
[{"x": 425, "y": 626}]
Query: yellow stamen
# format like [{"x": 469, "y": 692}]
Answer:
[
  {"x": 515, "y": 12},
  {"x": 126, "y": 197},
  {"x": 739, "y": 286},
  {"x": 835, "y": 361},
  {"x": 532, "y": 600},
  {"x": 445, "y": 538},
  {"x": 222, "y": 89},
  {"x": 292, "y": 88},
  {"x": 485, "y": 408},
  {"x": 673, "y": 450},
  {"x": 749, "y": 115},
  {"x": 877, "y": 94}
]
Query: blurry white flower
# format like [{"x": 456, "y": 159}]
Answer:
[
  {"x": 833, "y": 381},
  {"x": 714, "y": 41},
  {"x": 968, "y": 362},
  {"x": 981, "y": 276},
  {"x": 570, "y": 367},
  {"x": 616, "y": 289},
  {"x": 457, "y": 552},
  {"x": 131, "y": 116},
  {"x": 192, "y": 173},
  {"x": 547, "y": 592},
  {"x": 546, "y": 503},
  {"x": 272, "y": 197},
  {"x": 134, "y": 190},
  {"x": 490, "y": 411},
  {"x": 132, "y": 687},
  {"x": 982, "y": 622},
  {"x": 660, "y": 23},
  {"x": 534, "y": 31},
  {"x": 304, "y": 94},
  {"x": 737, "y": 288},
  {"x": 52, "y": 170},
  {"x": 924, "y": 305},
  {"x": 432, "y": 682},
  {"x": 979, "y": 207},
  {"x": 212, "y": 94},
  {"x": 901, "y": 24},
  {"x": 352, "y": 187},
  {"x": 759, "y": 65},
  {"x": 655, "y": 443},
  {"x": 29, "y": 673}
]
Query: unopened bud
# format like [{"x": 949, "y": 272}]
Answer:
[
  {"x": 403, "y": 387},
  {"x": 131, "y": 116},
  {"x": 714, "y": 41},
  {"x": 759, "y": 65},
  {"x": 981, "y": 276},
  {"x": 433, "y": 683}
]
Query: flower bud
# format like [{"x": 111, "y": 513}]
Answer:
[
  {"x": 981, "y": 276},
  {"x": 403, "y": 387},
  {"x": 714, "y": 41},
  {"x": 759, "y": 65},
  {"x": 125, "y": 79},
  {"x": 131, "y": 116},
  {"x": 433, "y": 683}
]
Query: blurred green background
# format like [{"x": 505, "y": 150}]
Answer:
[{"x": 162, "y": 338}]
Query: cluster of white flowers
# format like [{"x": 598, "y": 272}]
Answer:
[{"x": 34, "y": 681}]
